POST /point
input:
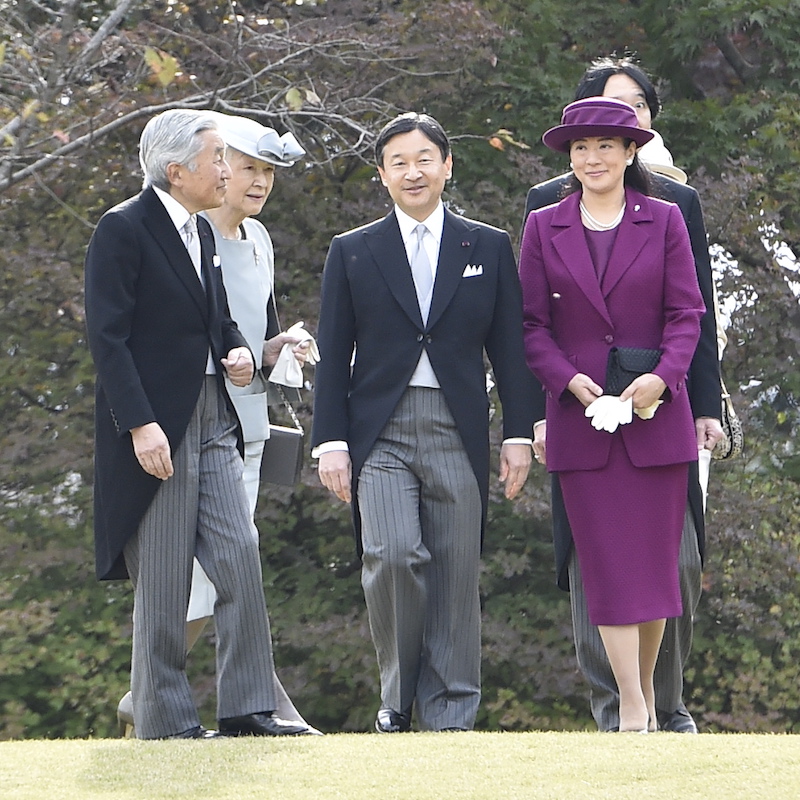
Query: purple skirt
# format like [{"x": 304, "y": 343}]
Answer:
[{"x": 626, "y": 523}]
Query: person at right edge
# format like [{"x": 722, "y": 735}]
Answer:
[{"x": 623, "y": 79}]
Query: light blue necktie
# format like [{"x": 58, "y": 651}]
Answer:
[{"x": 421, "y": 272}]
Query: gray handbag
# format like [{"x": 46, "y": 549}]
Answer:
[{"x": 282, "y": 461}]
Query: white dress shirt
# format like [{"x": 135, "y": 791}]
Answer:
[
  {"x": 180, "y": 216},
  {"x": 423, "y": 374}
]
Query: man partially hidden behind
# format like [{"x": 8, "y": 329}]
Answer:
[
  {"x": 412, "y": 302},
  {"x": 168, "y": 477}
]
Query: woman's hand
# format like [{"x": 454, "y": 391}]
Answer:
[
  {"x": 645, "y": 390},
  {"x": 585, "y": 389},
  {"x": 272, "y": 349}
]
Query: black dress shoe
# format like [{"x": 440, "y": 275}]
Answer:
[
  {"x": 262, "y": 724},
  {"x": 679, "y": 721},
  {"x": 194, "y": 733},
  {"x": 391, "y": 721}
]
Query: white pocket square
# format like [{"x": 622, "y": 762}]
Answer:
[{"x": 472, "y": 270}]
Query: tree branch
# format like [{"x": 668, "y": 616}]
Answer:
[{"x": 744, "y": 70}]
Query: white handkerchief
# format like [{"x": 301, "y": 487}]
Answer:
[
  {"x": 472, "y": 270},
  {"x": 287, "y": 371}
]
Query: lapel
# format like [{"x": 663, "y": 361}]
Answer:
[
  {"x": 631, "y": 239},
  {"x": 569, "y": 240},
  {"x": 386, "y": 245},
  {"x": 389, "y": 252},
  {"x": 159, "y": 223},
  {"x": 459, "y": 238}
]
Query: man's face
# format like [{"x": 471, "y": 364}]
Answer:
[
  {"x": 414, "y": 173},
  {"x": 205, "y": 185},
  {"x": 623, "y": 87}
]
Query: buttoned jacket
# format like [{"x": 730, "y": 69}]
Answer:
[
  {"x": 648, "y": 298},
  {"x": 371, "y": 336}
]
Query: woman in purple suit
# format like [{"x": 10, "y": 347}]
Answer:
[{"x": 610, "y": 267}]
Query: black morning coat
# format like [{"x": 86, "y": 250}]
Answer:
[{"x": 150, "y": 324}]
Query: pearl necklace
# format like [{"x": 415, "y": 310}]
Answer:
[{"x": 595, "y": 224}]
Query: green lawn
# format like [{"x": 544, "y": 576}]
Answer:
[{"x": 413, "y": 767}]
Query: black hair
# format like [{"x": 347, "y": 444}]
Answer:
[
  {"x": 593, "y": 82},
  {"x": 412, "y": 121}
]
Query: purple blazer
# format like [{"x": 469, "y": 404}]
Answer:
[{"x": 649, "y": 297}]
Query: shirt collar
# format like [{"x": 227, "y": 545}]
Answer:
[
  {"x": 434, "y": 223},
  {"x": 177, "y": 213}
]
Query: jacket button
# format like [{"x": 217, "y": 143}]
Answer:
[
  {"x": 428, "y": 339},
  {"x": 609, "y": 338},
  {"x": 420, "y": 337}
]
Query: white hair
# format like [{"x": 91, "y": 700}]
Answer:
[{"x": 171, "y": 137}]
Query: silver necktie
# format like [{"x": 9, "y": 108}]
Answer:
[
  {"x": 192, "y": 240},
  {"x": 421, "y": 272}
]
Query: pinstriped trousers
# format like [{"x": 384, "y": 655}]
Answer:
[
  {"x": 201, "y": 510},
  {"x": 421, "y": 525},
  {"x": 675, "y": 646}
]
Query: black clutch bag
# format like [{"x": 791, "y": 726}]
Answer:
[{"x": 625, "y": 364}]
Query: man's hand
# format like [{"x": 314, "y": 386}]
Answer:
[
  {"x": 515, "y": 461},
  {"x": 585, "y": 389},
  {"x": 709, "y": 432},
  {"x": 239, "y": 366},
  {"x": 151, "y": 446},
  {"x": 540, "y": 442},
  {"x": 335, "y": 470}
]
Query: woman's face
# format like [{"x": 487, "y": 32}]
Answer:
[
  {"x": 599, "y": 162},
  {"x": 623, "y": 87},
  {"x": 250, "y": 183}
]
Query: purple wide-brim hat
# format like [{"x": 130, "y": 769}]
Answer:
[{"x": 595, "y": 116}]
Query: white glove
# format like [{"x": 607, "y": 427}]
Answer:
[
  {"x": 604, "y": 413},
  {"x": 626, "y": 411},
  {"x": 287, "y": 370},
  {"x": 649, "y": 412},
  {"x": 608, "y": 412}
]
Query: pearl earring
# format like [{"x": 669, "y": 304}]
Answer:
[
  {"x": 571, "y": 165},
  {"x": 629, "y": 162}
]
